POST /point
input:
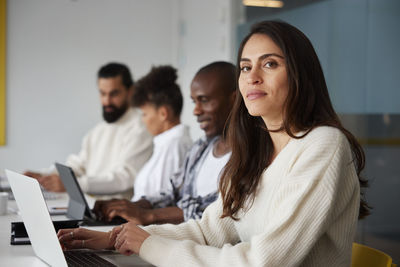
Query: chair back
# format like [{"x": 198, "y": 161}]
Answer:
[{"x": 364, "y": 256}]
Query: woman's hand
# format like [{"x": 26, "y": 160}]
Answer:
[
  {"x": 128, "y": 238},
  {"x": 84, "y": 238}
]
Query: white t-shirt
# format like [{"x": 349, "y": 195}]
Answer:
[
  {"x": 170, "y": 148},
  {"x": 211, "y": 167}
]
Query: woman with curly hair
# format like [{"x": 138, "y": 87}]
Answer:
[{"x": 160, "y": 99}]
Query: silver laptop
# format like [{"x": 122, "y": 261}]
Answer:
[{"x": 39, "y": 226}]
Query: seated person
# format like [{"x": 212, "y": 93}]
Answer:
[
  {"x": 290, "y": 193},
  {"x": 195, "y": 185},
  {"x": 112, "y": 153},
  {"x": 160, "y": 100}
]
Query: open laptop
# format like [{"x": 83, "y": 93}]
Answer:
[
  {"x": 78, "y": 208},
  {"x": 39, "y": 226}
]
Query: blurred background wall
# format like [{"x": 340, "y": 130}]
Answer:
[{"x": 55, "y": 48}]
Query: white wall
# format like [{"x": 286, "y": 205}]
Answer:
[
  {"x": 207, "y": 34},
  {"x": 56, "y": 47}
]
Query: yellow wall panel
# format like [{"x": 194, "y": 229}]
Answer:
[{"x": 3, "y": 20}]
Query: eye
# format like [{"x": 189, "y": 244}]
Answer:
[
  {"x": 114, "y": 93},
  {"x": 245, "y": 68},
  {"x": 271, "y": 64},
  {"x": 203, "y": 99}
]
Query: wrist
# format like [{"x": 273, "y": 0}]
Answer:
[
  {"x": 111, "y": 241},
  {"x": 148, "y": 217}
]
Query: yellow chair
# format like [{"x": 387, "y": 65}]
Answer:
[{"x": 364, "y": 256}]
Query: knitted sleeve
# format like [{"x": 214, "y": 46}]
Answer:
[{"x": 316, "y": 192}]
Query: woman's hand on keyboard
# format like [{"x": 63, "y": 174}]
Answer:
[
  {"x": 128, "y": 238},
  {"x": 84, "y": 238}
]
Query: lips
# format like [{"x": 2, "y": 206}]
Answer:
[
  {"x": 109, "y": 109},
  {"x": 203, "y": 123},
  {"x": 255, "y": 94}
]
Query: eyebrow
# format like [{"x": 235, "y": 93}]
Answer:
[{"x": 263, "y": 57}]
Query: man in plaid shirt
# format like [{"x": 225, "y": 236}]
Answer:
[{"x": 195, "y": 185}]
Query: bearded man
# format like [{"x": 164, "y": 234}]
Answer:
[{"x": 114, "y": 151}]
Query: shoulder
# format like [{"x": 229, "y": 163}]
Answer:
[
  {"x": 326, "y": 133},
  {"x": 320, "y": 144},
  {"x": 198, "y": 147},
  {"x": 323, "y": 137},
  {"x": 200, "y": 142},
  {"x": 180, "y": 135},
  {"x": 322, "y": 149},
  {"x": 132, "y": 123},
  {"x": 133, "y": 117}
]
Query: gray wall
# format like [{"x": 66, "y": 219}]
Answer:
[{"x": 357, "y": 42}]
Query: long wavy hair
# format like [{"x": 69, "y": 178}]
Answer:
[{"x": 307, "y": 106}]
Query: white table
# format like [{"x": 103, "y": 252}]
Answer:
[{"x": 23, "y": 255}]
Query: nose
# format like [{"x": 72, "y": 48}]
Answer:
[
  {"x": 197, "y": 109},
  {"x": 106, "y": 100},
  {"x": 254, "y": 77}
]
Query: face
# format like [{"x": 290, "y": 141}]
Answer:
[
  {"x": 212, "y": 104},
  {"x": 114, "y": 97},
  {"x": 263, "y": 80},
  {"x": 153, "y": 118}
]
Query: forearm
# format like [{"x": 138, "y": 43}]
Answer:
[
  {"x": 107, "y": 183},
  {"x": 164, "y": 215}
]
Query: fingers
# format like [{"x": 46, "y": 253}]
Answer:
[
  {"x": 103, "y": 207},
  {"x": 130, "y": 239},
  {"x": 111, "y": 213},
  {"x": 51, "y": 183},
  {"x": 76, "y": 244},
  {"x": 72, "y": 239},
  {"x": 112, "y": 204},
  {"x": 119, "y": 212},
  {"x": 120, "y": 238},
  {"x": 35, "y": 175},
  {"x": 114, "y": 233},
  {"x": 98, "y": 205},
  {"x": 65, "y": 235},
  {"x": 43, "y": 182},
  {"x": 125, "y": 249}
]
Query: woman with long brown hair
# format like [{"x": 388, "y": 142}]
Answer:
[{"x": 290, "y": 193}]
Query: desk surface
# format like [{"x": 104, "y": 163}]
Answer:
[{"x": 23, "y": 255}]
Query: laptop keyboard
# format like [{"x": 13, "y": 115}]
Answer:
[{"x": 85, "y": 258}]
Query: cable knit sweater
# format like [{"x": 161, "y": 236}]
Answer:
[
  {"x": 112, "y": 154},
  {"x": 304, "y": 214}
]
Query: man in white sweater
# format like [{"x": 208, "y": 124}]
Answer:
[{"x": 114, "y": 151}]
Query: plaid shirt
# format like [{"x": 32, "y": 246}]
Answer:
[{"x": 183, "y": 193}]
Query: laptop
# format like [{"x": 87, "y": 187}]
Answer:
[
  {"x": 39, "y": 226},
  {"x": 78, "y": 208}
]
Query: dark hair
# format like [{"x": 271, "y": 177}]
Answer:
[
  {"x": 112, "y": 70},
  {"x": 226, "y": 72},
  {"x": 307, "y": 106},
  {"x": 159, "y": 88}
]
